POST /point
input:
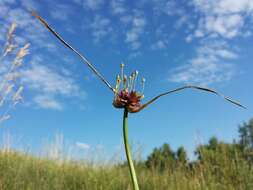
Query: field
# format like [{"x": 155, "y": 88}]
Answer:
[{"x": 217, "y": 172}]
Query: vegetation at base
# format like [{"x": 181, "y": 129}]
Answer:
[{"x": 219, "y": 166}]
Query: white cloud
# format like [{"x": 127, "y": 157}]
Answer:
[
  {"x": 225, "y": 18},
  {"x": 30, "y": 4},
  {"x": 134, "y": 33},
  {"x": 182, "y": 20},
  {"x": 218, "y": 21},
  {"x": 118, "y": 6},
  {"x": 93, "y": 4},
  {"x": 218, "y": 50},
  {"x": 49, "y": 85},
  {"x": 209, "y": 66},
  {"x": 30, "y": 29},
  {"x": 101, "y": 27},
  {"x": 48, "y": 102},
  {"x": 225, "y": 6},
  {"x": 168, "y": 7},
  {"x": 61, "y": 12},
  {"x": 8, "y": 2},
  {"x": 125, "y": 19},
  {"x": 83, "y": 146},
  {"x": 160, "y": 44},
  {"x": 202, "y": 71},
  {"x": 40, "y": 77},
  {"x": 227, "y": 26}
]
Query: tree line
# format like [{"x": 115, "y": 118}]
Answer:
[{"x": 215, "y": 153}]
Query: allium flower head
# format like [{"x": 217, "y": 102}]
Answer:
[{"x": 125, "y": 93}]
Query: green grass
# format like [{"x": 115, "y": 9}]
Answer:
[{"x": 20, "y": 171}]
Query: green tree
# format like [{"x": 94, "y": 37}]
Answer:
[
  {"x": 182, "y": 155},
  {"x": 203, "y": 150},
  {"x": 246, "y": 135},
  {"x": 213, "y": 143},
  {"x": 246, "y": 140},
  {"x": 161, "y": 158}
]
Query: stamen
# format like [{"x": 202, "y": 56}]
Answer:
[
  {"x": 143, "y": 80},
  {"x": 125, "y": 82},
  {"x": 122, "y": 69},
  {"x": 135, "y": 79},
  {"x": 118, "y": 81},
  {"x": 132, "y": 81},
  {"x": 129, "y": 86}
]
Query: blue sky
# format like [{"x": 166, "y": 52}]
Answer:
[{"x": 171, "y": 43}]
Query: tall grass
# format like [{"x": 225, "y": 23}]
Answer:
[
  {"x": 216, "y": 171},
  {"x": 11, "y": 60}
]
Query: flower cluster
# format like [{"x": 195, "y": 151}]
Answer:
[{"x": 125, "y": 94}]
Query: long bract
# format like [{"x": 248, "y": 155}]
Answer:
[{"x": 83, "y": 58}]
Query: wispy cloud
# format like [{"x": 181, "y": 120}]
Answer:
[
  {"x": 83, "y": 146},
  {"x": 209, "y": 66},
  {"x": 225, "y": 18},
  {"x": 118, "y": 6},
  {"x": 30, "y": 4},
  {"x": 160, "y": 44},
  {"x": 48, "y": 102},
  {"x": 61, "y": 12},
  {"x": 100, "y": 27},
  {"x": 217, "y": 21},
  {"x": 49, "y": 86},
  {"x": 7, "y": 2},
  {"x": 90, "y": 4},
  {"x": 40, "y": 77},
  {"x": 134, "y": 33},
  {"x": 178, "y": 18}
]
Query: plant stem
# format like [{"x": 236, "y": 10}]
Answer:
[{"x": 128, "y": 153}]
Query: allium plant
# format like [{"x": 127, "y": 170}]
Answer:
[
  {"x": 11, "y": 61},
  {"x": 126, "y": 96}
]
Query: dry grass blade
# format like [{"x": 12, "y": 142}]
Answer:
[
  {"x": 11, "y": 31},
  {"x": 23, "y": 51},
  {"x": 191, "y": 87},
  {"x": 10, "y": 35},
  {"x": 10, "y": 87},
  {"x": 17, "y": 96},
  {"x": 84, "y": 59}
]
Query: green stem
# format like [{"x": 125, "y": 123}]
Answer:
[{"x": 128, "y": 153}]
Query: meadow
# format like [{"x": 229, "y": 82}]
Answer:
[{"x": 225, "y": 168}]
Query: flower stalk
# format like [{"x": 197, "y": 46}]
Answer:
[{"x": 128, "y": 151}]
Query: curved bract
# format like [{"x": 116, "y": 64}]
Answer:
[
  {"x": 83, "y": 58},
  {"x": 192, "y": 87}
]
